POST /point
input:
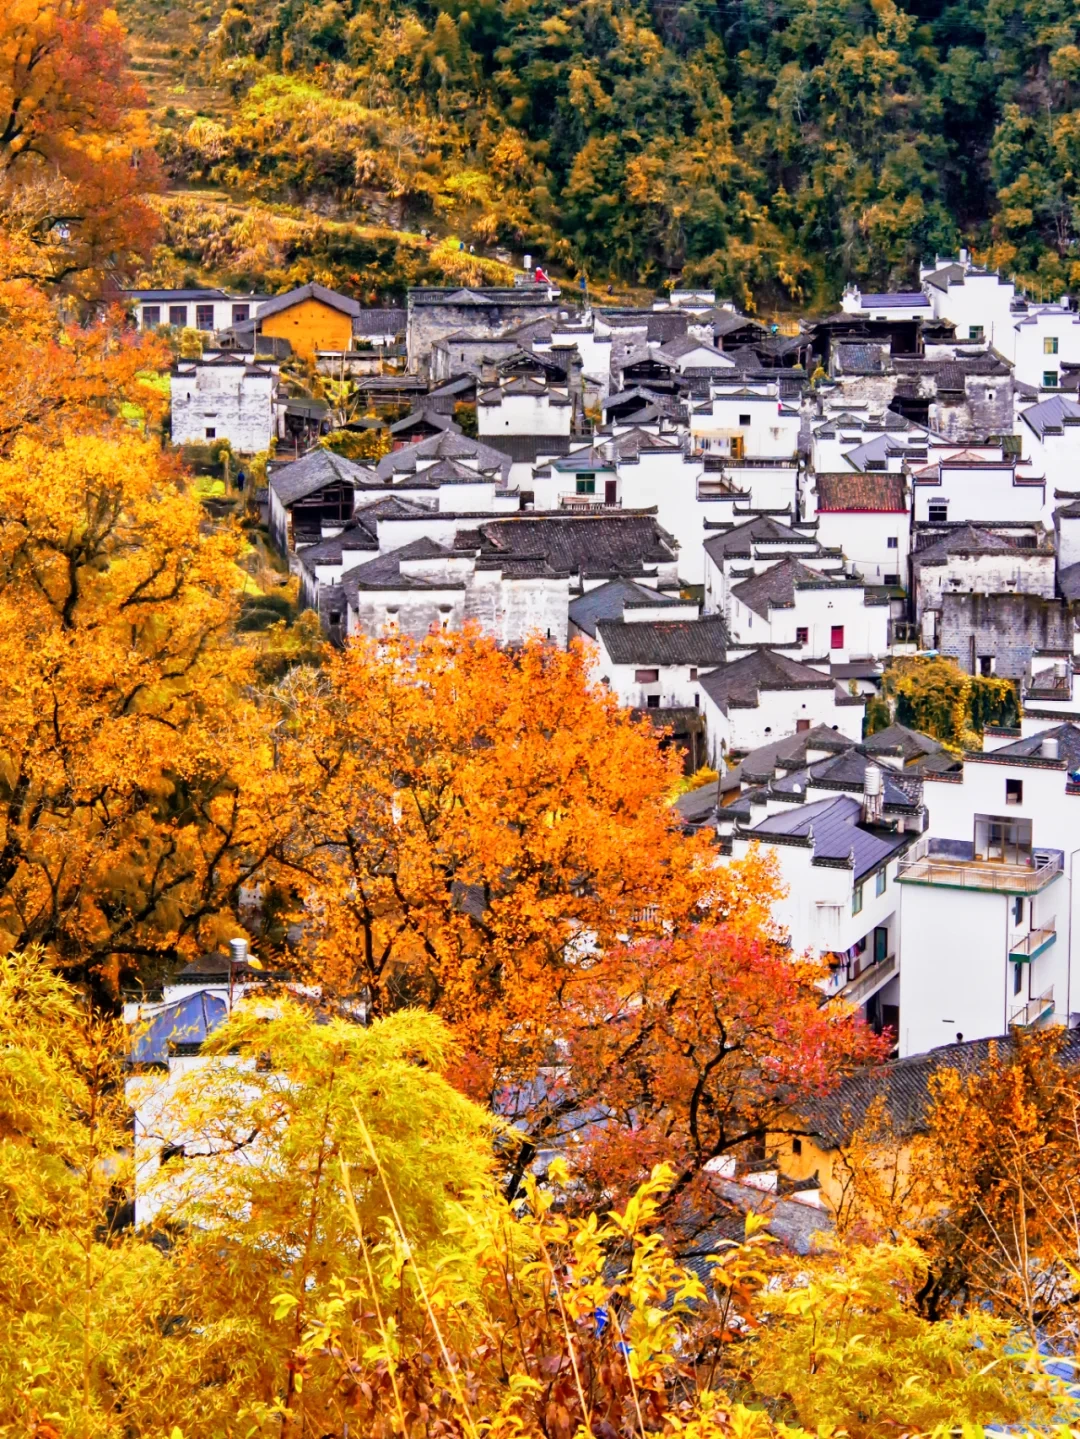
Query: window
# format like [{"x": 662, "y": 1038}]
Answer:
[
  {"x": 881, "y": 879},
  {"x": 646, "y": 677},
  {"x": 586, "y": 484},
  {"x": 735, "y": 447},
  {"x": 744, "y": 420},
  {"x": 653, "y": 702},
  {"x": 801, "y": 726},
  {"x": 893, "y": 579},
  {"x": 178, "y": 315},
  {"x": 975, "y": 332},
  {"x": 802, "y": 635},
  {"x": 1018, "y": 910},
  {"x": 1050, "y": 345},
  {"x": 939, "y": 512},
  {"x": 892, "y": 543},
  {"x": 1002, "y": 840},
  {"x": 335, "y": 617},
  {"x": 693, "y": 673},
  {"x": 204, "y": 317},
  {"x": 211, "y": 432},
  {"x": 986, "y": 664},
  {"x": 1014, "y": 791},
  {"x": 151, "y": 316},
  {"x": 1050, "y": 379},
  {"x": 856, "y": 899},
  {"x": 1018, "y": 978},
  {"x": 239, "y": 314},
  {"x": 836, "y": 637},
  {"x": 697, "y": 699},
  {"x": 796, "y": 1146}
]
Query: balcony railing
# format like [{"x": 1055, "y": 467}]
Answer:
[
  {"x": 857, "y": 991},
  {"x": 1023, "y": 947},
  {"x": 588, "y": 502},
  {"x": 1024, "y": 1016},
  {"x": 921, "y": 866}
]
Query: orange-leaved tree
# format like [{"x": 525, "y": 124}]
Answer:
[
  {"x": 489, "y": 835},
  {"x": 75, "y": 158},
  {"x": 122, "y": 828}
]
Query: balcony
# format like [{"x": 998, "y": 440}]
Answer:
[
  {"x": 1025, "y": 947},
  {"x": 588, "y": 502},
  {"x": 1026, "y": 1016},
  {"x": 923, "y": 866},
  {"x": 858, "y": 991}
]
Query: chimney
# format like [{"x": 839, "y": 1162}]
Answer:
[
  {"x": 1050, "y": 749},
  {"x": 238, "y": 951},
  {"x": 872, "y": 795},
  {"x": 963, "y": 257}
]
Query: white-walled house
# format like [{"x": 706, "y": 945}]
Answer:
[
  {"x": 1046, "y": 337},
  {"x": 208, "y": 310},
  {"x": 1049, "y": 434},
  {"x": 969, "y": 486},
  {"x": 988, "y": 897},
  {"x": 746, "y": 421},
  {"x": 868, "y": 516},
  {"x": 977, "y": 302},
  {"x": 827, "y": 618},
  {"x": 223, "y": 397},
  {"x": 972, "y": 559},
  {"x": 523, "y": 406},
  {"x": 651, "y": 656},
  {"x": 735, "y": 551},
  {"x": 765, "y": 694}
]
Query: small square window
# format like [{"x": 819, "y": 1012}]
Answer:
[
  {"x": 151, "y": 316},
  {"x": 646, "y": 677},
  {"x": 586, "y": 485},
  {"x": 1050, "y": 379},
  {"x": 986, "y": 664},
  {"x": 211, "y": 432},
  {"x": 204, "y": 317},
  {"x": 178, "y": 315},
  {"x": 939, "y": 512},
  {"x": 1014, "y": 791},
  {"x": 653, "y": 702},
  {"x": 892, "y": 543},
  {"x": 693, "y": 673},
  {"x": 796, "y": 1146},
  {"x": 1050, "y": 345},
  {"x": 801, "y": 726},
  {"x": 893, "y": 579},
  {"x": 802, "y": 635},
  {"x": 856, "y": 899},
  {"x": 881, "y": 879},
  {"x": 744, "y": 420},
  {"x": 975, "y": 332},
  {"x": 239, "y": 314}
]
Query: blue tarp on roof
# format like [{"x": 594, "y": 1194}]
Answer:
[{"x": 188, "y": 1021}]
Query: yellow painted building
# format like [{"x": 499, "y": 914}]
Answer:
[{"x": 311, "y": 318}]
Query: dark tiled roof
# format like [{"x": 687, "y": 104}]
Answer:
[
  {"x": 848, "y": 771},
  {"x": 379, "y": 322},
  {"x": 789, "y": 752},
  {"x": 898, "y": 739},
  {"x": 1051, "y": 415},
  {"x": 905, "y": 1087},
  {"x": 447, "y": 445},
  {"x": 859, "y": 357},
  {"x": 951, "y": 274},
  {"x": 967, "y": 540},
  {"x": 384, "y": 573},
  {"x": 739, "y": 541},
  {"x": 606, "y": 602},
  {"x": 331, "y": 551},
  {"x": 527, "y": 449},
  {"x": 425, "y": 416},
  {"x": 775, "y": 587},
  {"x": 860, "y": 491},
  {"x": 1067, "y": 736},
  {"x": 1069, "y": 581},
  {"x": 308, "y": 292},
  {"x": 319, "y": 467},
  {"x": 610, "y": 543},
  {"x": 834, "y": 826},
  {"x": 740, "y": 682},
  {"x": 698, "y": 642}
]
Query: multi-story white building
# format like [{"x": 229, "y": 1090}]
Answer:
[
  {"x": 208, "y": 310},
  {"x": 868, "y": 517},
  {"x": 745, "y": 421},
  {"x": 988, "y": 896},
  {"x": 827, "y": 616},
  {"x": 764, "y": 695}
]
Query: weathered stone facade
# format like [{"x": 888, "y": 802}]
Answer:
[
  {"x": 1008, "y": 629},
  {"x": 435, "y": 313},
  {"x": 223, "y": 398}
]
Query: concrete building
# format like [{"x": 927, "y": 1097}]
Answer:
[
  {"x": 208, "y": 310},
  {"x": 987, "y": 904},
  {"x": 223, "y": 397}
]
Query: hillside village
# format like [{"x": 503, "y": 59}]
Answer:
[{"x": 746, "y": 528}]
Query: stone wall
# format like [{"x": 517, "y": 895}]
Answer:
[
  {"x": 236, "y": 406},
  {"x": 1008, "y": 627},
  {"x": 432, "y": 318}
]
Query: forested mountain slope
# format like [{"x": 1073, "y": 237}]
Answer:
[{"x": 770, "y": 147}]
